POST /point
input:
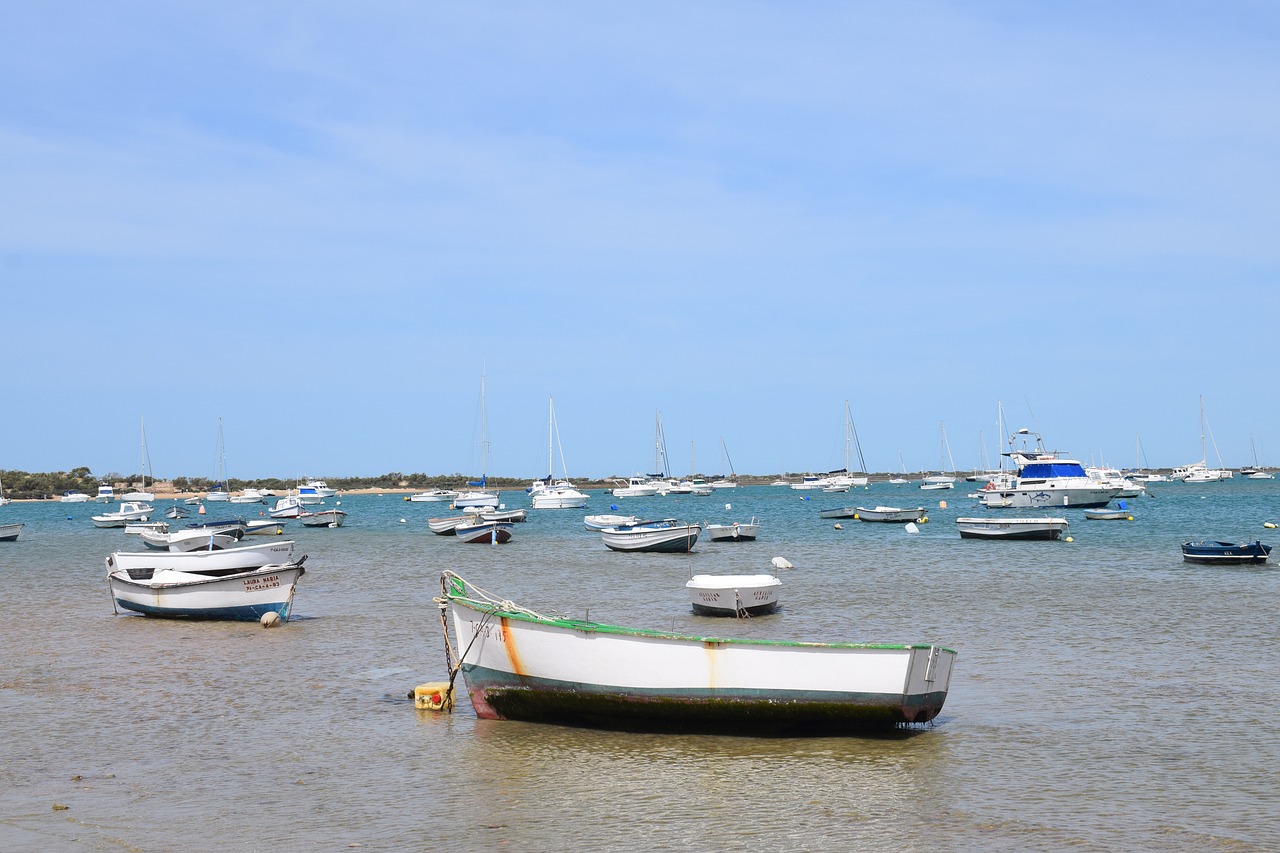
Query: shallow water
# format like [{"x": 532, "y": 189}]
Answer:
[{"x": 1106, "y": 695}]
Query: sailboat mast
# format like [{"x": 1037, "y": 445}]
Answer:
[{"x": 551, "y": 428}]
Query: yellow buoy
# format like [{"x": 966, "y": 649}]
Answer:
[
  {"x": 433, "y": 696},
  {"x": 1069, "y": 539},
  {"x": 855, "y": 515},
  {"x": 1270, "y": 525},
  {"x": 923, "y": 519},
  {"x": 1128, "y": 518}
]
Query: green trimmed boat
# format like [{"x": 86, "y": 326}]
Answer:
[{"x": 521, "y": 665}]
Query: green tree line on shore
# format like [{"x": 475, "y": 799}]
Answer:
[{"x": 22, "y": 485}]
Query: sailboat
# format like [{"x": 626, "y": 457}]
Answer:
[
  {"x": 942, "y": 480},
  {"x": 730, "y": 482},
  {"x": 1200, "y": 472},
  {"x": 219, "y": 491},
  {"x": 3, "y": 499},
  {"x": 561, "y": 494},
  {"x": 1143, "y": 472},
  {"x": 142, "y": 494},
  {"x": 480, "y": 498},
  {"x": 1253, "y": 472},
  {"x": 899, "y": 481}
]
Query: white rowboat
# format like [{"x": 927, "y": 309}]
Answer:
[{"x": 521, "y": 665}]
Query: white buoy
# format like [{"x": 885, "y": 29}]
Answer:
[
  {"x": 402, "y": 521},
  {"x": 728, "y": 506},
  {"x": 1270, "y": 525},
  {"x": 270, "y": 619},
  {"x": 838, "y": 527},
  {"x": 782, "y": 563},
  {"x": 911, "y": 527}
]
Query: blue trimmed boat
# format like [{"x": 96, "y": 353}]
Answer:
[
  {"x": 244, "y": 596},
  {"x": 521, "y": 665},
  {"x": 1207, "y": 551}
]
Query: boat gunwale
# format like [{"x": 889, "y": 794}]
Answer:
[{"x": 531, "y": 618}]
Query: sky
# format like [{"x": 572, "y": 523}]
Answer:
[{"x": 321, "y": 224}]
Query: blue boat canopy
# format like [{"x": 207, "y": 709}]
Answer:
[{"x": 1043, "y": 470}]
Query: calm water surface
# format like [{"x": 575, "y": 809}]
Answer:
[{"x": 1107, "y": 696}]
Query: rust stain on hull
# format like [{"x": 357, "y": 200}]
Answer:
[{"x": 513, "y": 654}]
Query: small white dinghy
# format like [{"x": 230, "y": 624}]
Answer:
[
  {"x": 733, "y": 595},
  {"x": 596, "y": 523},
  {"x": 738, "y": 531},
  {"x": 189, "y": 540}
]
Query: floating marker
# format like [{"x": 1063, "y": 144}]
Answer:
[
  {"x": 728, "y": 506},
  {"x": 838, "y": 527},
  {"x": 942, "y": 504},
  {"x": 402, "y": 521},
  {"x": 782, "y": 563},
  {"x": 911, "y": 527}
]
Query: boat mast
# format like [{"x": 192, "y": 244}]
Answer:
[
  {"x": 551, "y": 426},
  {"x": 146, "y": 457}
]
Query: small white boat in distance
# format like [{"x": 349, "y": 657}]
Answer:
[
  {"x": 245, "y": 595},
  {"x": 733, "y": 595},
  {"x": 889, "y": 513},
  {"x": 558, "y": 495},
  {"x": 434, "y": 495},
  {"x": 289, "y": 506},
  {"x": 128, "y": 511},
  {"x": 738, "y": 531},
  {"x": 596, "y": 523},
  {"x": 9, "y": 532},
  {"x": 520, "y": 665},
  {"x": 73, "y": 498},
  {"x": 636, "y": 487},
  {"x": 1011, "y": 528},
  {"x": 323, "y": 518},
  {"x": 1108, "y": 514}
]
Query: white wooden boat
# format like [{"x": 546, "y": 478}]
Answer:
[
  {"x": 733, "y": 595},
  {"x": 128, "y": 511},
  {"x": 511, "y": 515},
  {"x": 521, "y": 665},
  {"x": 134, "y": 528},
  {"x": 839, "y": 512},
  {"x": 189, "y": 539},
  {"x": 265, "y": 526},
  {"x": 1011, "y": 528},
  {"x": 446, "y": 526},
  {"x": 738, "y": 531},
  {"x": 1108, "y": 515},
  {"x": 433, "y": 495},
  {"x": 248, "y": 496},
  {"x": 481, "y": 532},
  {"x": 666, "y": 535},
  {"x": 889, "y": 514},
  {"x": 9, "y": 532},
  {"x": 596, "y": 523},
  {"x": 323, "y": 518},
  {"x": 226, "y": 561},
  {"x": 177, "y": 511},
  {"x": 244, "y": 595}
]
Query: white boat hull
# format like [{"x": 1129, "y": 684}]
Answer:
[
  {"x": 324, "y": 518},
  {"x": 483, "y": 500},
  {"x": 557, "y": 499},
  {"x": 9, "y": 532},
  {"x": 739, "y": 531},
  {"x": 1049, "y": 495},
  {"x": 596, "y": 523},
  {"x": 1011, "y": 528},
  {"x": 674, "y": 538},
  {"x": 243, "y": 596},
  {"x": 188, "y": 540},
  {"x": 518, "y": 665},
  {"x": 888, "y": 514},
  {"x": 733, "y": 595}
]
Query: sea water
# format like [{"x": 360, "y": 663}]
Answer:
[{"x": 1106, "y": 695}]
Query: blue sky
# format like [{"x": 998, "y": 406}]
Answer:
[{"x": 322, "y": 222}]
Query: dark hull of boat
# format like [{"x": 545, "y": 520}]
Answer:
[{"x": 1225, "y": 553}]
